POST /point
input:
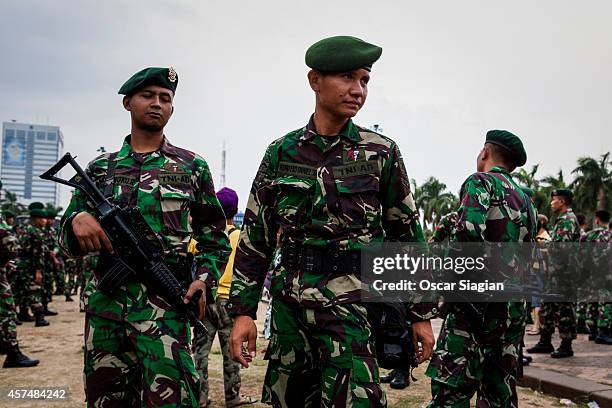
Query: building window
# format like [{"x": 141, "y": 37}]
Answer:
[
  {"x": 52, "y": 136},
  {"x": 40, "y": 135}
]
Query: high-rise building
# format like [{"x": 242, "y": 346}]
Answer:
[{"x": 27, "y": 151}]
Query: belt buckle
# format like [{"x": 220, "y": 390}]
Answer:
[{"x": 309, "y": 260}]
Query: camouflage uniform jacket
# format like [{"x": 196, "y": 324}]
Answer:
[
  {"x": 597, "y": 235},
  {"x": 340, "y": 192},
  {"x": 445, "y": 228},
  {"x": 169, "y": 186},
  {"x": 33, "y": 247},
  {"x": 566, "y": 228},
  {"x": 493, "y": 208}
]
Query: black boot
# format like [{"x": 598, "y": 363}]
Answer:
[
  {"x": 48, "y": 312},
  {"x": 24, "y": 316},
  {"x": 603, "y": 337},
  {"x": 399, "y": 382},
  {"x": 40, "y": 319},
  {"x": 525, "y": 361},
  {"x": 593, "y": 332},
  {"x": 386, "y": 379},
  {"x": 16, "y": 359},
  {"x": 18, "y": 322},
  {"x": 564, "y": 350},
  {"x": 582, "y": 328},
  {"x": 544, "y": 346}
]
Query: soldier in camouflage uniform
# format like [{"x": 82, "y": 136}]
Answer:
[
  {"x": 217, "y": 320},
  {"x": 137, "y": 347},
  {"x": 331, "y": 187},
  {"x": 74, "y": 268},
  {"x": 445, "y": 228},
  {"x": 8, "y": 316},
  {"x": 51, "y": 261},
  {"x": 598, "y": 316},
  {"x": 559, "y": 314},
  {"x": 30, "y": 267},
  {"x": 479, "y": 343}
]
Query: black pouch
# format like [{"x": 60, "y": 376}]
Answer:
[{"x": 392, "y": 335}]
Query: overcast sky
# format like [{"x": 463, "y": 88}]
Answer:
[{"x": 450, "y": 70}]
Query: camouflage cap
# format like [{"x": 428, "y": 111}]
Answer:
[
  {"x": 342, "y": 53},
  {"x": 562, "y": 192},
  {"x": 37, "y": 210},
  {"x": 510, "y": 142},
  {"x": 164, "y": 77}
]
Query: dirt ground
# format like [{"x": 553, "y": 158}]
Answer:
[{"x": 59, "y": 348}]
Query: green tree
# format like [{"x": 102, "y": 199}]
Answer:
[
  {"x": 433, "y": 201},
  {"x": 592, "y": 185}
]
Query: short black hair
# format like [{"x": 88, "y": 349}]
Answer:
[
  {"x": 603, "y": 215},
  {"x": 503, "y": 155},
  {"x": 581, "y": 219}
]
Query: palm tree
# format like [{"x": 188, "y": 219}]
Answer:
[
  {"x": 433, "y": 201},
  {"x": 527, "y": 179},
  {"x": 593, "y": 183}
]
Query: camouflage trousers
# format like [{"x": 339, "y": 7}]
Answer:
[
  {"x": 477, "y": 355},
  {"x": 48, "y": 277},
  {"x": 8, "y": 327},
  {"x": 217, "y": 322},
  {"x": 604, "y": 317},
  {"x": 59, "y": 278},
  {"x": 561, "y": 315},
  {"x": 71, "y": 277},
  {"x": 139, "y": 364},
  {"x": 321, "y": 357}
]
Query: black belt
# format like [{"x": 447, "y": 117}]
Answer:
[
  {"x": 180, "y": 265},
  {"x": 320, "y": 260}
]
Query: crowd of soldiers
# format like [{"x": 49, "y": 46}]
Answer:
[
  {"x": 32, "y": 270},
  {"x": 322, "y": 193}
]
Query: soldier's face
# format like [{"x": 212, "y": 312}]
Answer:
[
  {"x": 480, "y": 160},
  {"x": 10, "y": 221},
  {"x": 39, "y": 222},
  {"x": 341, "y": 94},
  {"x": 151, "y": 107},
  {"x": 556, "y": 204}
]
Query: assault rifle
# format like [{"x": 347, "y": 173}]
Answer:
[{"x": 138, "y": 253}]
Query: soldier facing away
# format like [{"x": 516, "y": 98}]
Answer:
[
  {"x": 331, "y": 187},
  {"x": 559, "y": 314},
  {"x": 137, "y": 347},
  {"x": 478, "y": 346}
]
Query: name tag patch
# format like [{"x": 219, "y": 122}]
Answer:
[
  {"x": 125, "y": 180},
  {"x": 297, "y": 170},
  {"x": 356, "y": 169},
  {"x": 175, "y": 179}
]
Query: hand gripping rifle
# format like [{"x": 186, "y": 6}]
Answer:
[{"x": 138, "y": 251}]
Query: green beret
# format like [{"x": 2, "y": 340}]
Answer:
[
  {"x": 164, "y": 77},
  {"x": 37, "y": 210},
  {"x": 342, "y": 53},
  {"x": 528, "y": 191},
  {"x": 9, "y": 214},
  {"x": 562, "y": 192},
  {"x": 51, "y": 213},
  {"x": 511, "y": 143}
]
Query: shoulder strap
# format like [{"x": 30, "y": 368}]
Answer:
[
  {"x": 110, "y": 176},
  {"x": 231, "y": 230}
]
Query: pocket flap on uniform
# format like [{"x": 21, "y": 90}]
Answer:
[{"x": 175, "y": 192}]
